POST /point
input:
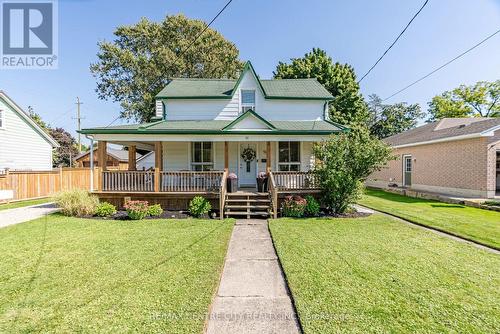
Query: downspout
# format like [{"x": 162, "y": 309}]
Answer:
[
  {"x": 326, "y": 115},
  {"x": 91, "y": 161}
]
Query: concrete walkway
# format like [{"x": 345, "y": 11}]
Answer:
[
  {"x": 20, "y": 215},
  {"x": 253, "y": 295}
]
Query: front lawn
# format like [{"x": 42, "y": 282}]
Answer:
[
  {"x": 21, "y": 204},
  {"x": 376, "y": 274},
  {"x": 476, "y": 224},
  {"x": 64, "y": 275}
]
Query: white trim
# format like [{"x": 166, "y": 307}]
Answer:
[
  {"x": 214, "y": 138},
  {"x": 404, "y": 169},
  {"x": 27, "y": 119},
  {"x": 486, "y": 133}
]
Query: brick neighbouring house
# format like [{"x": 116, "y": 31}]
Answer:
[{"x": 454, "y": 156}]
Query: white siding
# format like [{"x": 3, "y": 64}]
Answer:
[
  {"x": 176, "y": 156},
  {"x": 270, "y": 109},
  {"x": 21, "y": 146}
]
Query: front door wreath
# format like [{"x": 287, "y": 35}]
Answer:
[{"x": 248, "y": 154}]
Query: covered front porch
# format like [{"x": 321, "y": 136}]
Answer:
[{"x": 175, "y": 171}]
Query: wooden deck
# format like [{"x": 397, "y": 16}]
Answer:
[{"x": 174, "y": 189}]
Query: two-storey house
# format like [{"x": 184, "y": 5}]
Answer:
[{"x": 206, "y": 129}]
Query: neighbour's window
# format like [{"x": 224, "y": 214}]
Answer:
[
  {"x": 202, "y": 156},
  {"x": 289, "y": 156},
  {"x": 408, "y": 164},
  {"x": 1, "y": 119},
  {"x": 247, "y": 100}
]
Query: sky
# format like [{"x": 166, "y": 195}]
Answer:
[{"x": 266, "y": 32}]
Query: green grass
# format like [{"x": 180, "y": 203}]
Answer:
[
  {"x": 476, "y": 224},
  {"x": 378, "y": 275},
  {"x": 24, "y": 203},
  {"x": 68, "y": 275}
]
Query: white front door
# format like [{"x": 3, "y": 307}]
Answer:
[{"x": 247, "y": 171}]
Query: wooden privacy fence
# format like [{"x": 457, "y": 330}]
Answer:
[{"x": 34, "y": 184}]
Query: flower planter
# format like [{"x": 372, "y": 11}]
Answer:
[
  {"x": 262, "y": 185},
  {"x": 232, "y": 184}
]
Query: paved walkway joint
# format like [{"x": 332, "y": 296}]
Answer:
[
  {"x": 20, "y": 215},
  {"x": 253, "y": 295}
]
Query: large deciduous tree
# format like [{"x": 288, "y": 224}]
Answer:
[
  {"x": 390, "y": 119},
  {"x": 481, "y": 99},
  {"x": 348, "y": 106},
  {"x": 137, "y": 64}
]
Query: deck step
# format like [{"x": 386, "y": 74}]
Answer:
[
  {"x": 247, "y": 207},
  {"x": 266, "y": 200},
  {"x": 245, "y": 213},
  {"x": 247, "y": 194}
]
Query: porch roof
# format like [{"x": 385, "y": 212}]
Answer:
[{"x": 318, "y": 127}]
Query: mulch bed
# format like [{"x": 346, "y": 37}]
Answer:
[{"x": 122, "y": 215}]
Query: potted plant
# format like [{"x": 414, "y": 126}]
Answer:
[
  {"x": 262, "y": 182},
  {"x": 232, "y": 183}
]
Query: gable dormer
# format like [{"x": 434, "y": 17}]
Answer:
[{"x": 225, "y": 99}]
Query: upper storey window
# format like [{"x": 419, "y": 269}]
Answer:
[{"x": 247, "y": 100}]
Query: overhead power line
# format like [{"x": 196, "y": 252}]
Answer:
[
  {"x": 188, "y": 47},
  {"x": 442, "y": 66},
  {"x": 393, "y": 43}
]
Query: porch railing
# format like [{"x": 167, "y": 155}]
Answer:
[
  {"x": 191, "y": 181},
  {"x": 295, "y": 180},
  {"x": 134, "y": 181}
]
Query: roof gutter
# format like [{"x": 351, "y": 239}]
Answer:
[{"x": 448, "y": 139}]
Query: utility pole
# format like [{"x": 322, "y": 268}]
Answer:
[{"x": 79, "y": 122}]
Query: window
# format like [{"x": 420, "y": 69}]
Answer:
[
  {"x": 408, "y": 164},
  {"x": 202, "y": 156},
  {"x": 2, "y": 123},
  {"x": 247, "y": 100},
  {"x": 289, "y": 156}
]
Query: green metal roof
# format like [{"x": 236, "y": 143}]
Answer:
[
  {"x": 217, "y": 127},
  {"x": 185, "y": 88}
]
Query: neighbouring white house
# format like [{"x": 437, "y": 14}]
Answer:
[
  {"x": 206, "y": 129},
  {"x": 23, "y": 144}
]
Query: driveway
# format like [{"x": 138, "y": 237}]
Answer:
[{"x": 27, "y": 213}]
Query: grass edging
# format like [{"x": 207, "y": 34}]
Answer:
[
  {"x": 214, "y": 295},
  {"x": 288, "y": 290},
  {"x": 411, "y": 221}
]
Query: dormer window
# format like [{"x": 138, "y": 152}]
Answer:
[{"x": 247, "y": 100}]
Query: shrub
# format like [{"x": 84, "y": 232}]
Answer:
[
  {"x": 155, "y": 210},
  {"x": 293, "y": 206},
  {"x": 105, "y": 209},
  {"x": 199, "y": 206},
  {"x": 76, "y": 203},
  {"x": 137, "y": 210},
  {"x": 344, "y": 161},
  {"x": 312, "y": 207}
]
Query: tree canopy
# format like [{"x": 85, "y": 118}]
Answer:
[
  {"x": 481, "y": 99},
  {"x": 134, "y": 67},
  {"x": 348, "y": 106},
  {"x": 65, "y": 154},
  {"x": 390, "y": 119}
]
